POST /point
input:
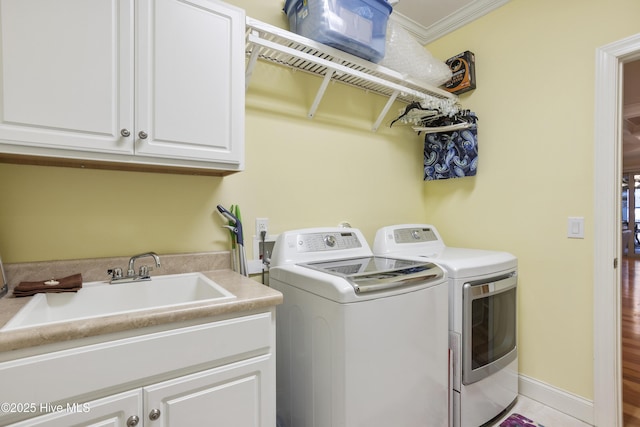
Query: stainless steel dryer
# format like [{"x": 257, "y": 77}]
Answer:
[
  {"x": 482, "y": 318},
  {"x": 361, "y": 340}
]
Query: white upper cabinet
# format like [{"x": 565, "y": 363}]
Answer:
[
  {"x": 148, "y": 82},
  {"x": 190, "y": 85},
  {"x": 67, "y": 73}
]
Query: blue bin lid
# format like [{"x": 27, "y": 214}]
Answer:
[
  {"x": 288, "y": 3},
  {"x": 386, "y": 3}
]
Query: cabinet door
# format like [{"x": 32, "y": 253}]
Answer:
[
  {"x": 113, "y": 411},
  {"x": 190, "y": 80},
  {"x": 235, "y": 395},
  {"x": 66, "y": 75}
]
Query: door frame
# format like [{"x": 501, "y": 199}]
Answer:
[{"x": 607, "y": 377}]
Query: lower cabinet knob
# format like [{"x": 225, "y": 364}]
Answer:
[
  {"x": 142, "y": 135},
  {"x": 125, "y": 133},
  {"x": 133, "y": 421},
  {"x": 154, "y": 414}
]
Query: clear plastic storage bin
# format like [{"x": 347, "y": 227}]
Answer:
[{"x": 355, "y": 26}]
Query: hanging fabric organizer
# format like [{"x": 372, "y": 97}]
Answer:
[
  {"x": 450, "y": 146},
  {"x": 451, "y": 154},
  {"x": 450, "y": 141},
  {"x": 266, "y": 42}
]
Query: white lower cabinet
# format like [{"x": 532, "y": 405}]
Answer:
[
  {"x": 219, "y": 374},
  {"x": 223, "y": 397},
  {"x": 226, "y": 396},
  {"x": 114, "y": 411}
]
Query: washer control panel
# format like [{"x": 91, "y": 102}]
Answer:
[
  {"x": 328, "y": 241},
  {"x": 318, "y": 244}
]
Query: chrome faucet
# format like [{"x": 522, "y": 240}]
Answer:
[
  {"x": 143, "y": 273},
  {"x": 131, "y": 272}
]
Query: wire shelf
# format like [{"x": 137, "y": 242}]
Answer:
[{"x": 273, "y": 44}]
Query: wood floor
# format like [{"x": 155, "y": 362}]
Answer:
[{"x": 630, "y": 325}]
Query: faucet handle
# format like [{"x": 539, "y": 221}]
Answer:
[
  {"x": 144, "y": 270},
  {"x": 115, "y": 273}
]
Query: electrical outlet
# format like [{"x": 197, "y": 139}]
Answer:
[{"x": 262, "y": 224}]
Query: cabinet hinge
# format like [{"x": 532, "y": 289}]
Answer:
[{"x": 615, "y": 263}]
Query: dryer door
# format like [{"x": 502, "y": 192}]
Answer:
[{"x": 489, "y": 327}]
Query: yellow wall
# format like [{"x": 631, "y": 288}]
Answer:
[
  {"x": 535, "y": 63},
  {"x": 535, "y": 100}
]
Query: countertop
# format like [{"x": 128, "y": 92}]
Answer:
[{"x": 250, "y": 296}]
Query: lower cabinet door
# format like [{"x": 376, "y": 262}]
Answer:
[
  {"x": 118, "y": 410},
  {"x": 234, "y": 395}
]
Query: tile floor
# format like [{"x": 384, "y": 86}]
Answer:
[{"x": 542, "y": 414}]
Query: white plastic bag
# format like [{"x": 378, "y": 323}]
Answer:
[{"x": 405, "y": 55}]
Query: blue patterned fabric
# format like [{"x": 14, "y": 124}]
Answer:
[{"x": 452, "y": 154}]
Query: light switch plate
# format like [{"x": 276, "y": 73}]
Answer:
[{"x": 575, "y": 227}]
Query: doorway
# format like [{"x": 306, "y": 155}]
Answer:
[
  {"x": 608, "y": 229},
  {"x": 631, "y": 159},
  {"x": 630, "y": 266}
]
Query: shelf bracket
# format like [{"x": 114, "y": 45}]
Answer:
[
  {"x": 385, "y": 110},
  {"x": 320, "y": 94}
]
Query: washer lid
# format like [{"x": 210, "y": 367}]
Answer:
[{"x": 369, "y": 274}]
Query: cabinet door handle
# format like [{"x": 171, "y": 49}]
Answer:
[
  {"x": 143, "y": 135},
  {"x": 125, "y": 133},
  {"x": 154, "y": 414},
  {"x": 133, "y": 421}
]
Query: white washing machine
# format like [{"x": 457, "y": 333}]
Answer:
[
  {"x": 482, "y": 318},
  {"x": 361, "y": 340}
]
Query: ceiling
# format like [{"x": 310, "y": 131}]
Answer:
[{"x": 428, "y": 20}]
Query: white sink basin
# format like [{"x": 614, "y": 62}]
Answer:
[{"x": 102, "y": 299}]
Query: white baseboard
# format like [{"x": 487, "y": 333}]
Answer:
[{"x": 553, "y": 397}]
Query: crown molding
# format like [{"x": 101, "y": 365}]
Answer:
[{"x": 461, "y": 17}]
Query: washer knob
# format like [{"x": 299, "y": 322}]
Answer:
[{"x": 330, "y": 240}]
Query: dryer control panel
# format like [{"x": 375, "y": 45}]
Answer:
[
  {"x": 418, "y": 239},
  {"x": 413, "y": 235}
]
